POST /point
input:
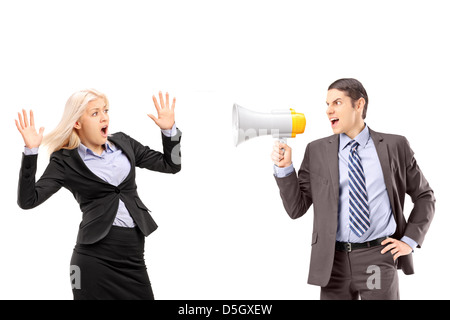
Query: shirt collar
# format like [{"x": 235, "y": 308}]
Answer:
[
  {"x": 362, "y": 138},
  {"x": 84, "y": 151}
]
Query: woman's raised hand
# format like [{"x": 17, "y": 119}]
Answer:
[
  {"x": 30, "y": 136},
  {"x": 166, "y": 114}
]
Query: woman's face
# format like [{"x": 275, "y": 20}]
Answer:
[{"x": 93, "y": 125}]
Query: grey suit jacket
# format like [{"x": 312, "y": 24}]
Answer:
[{"x": 318, "y": 183}]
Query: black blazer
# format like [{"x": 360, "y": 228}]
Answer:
[{"x": 98, "y": 200}]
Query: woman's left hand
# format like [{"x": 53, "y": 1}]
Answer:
[{"x": 166, "y": 114}]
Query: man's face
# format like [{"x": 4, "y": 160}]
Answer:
[
  {"x": 344, "y": 115},
  {"x": 93, "y": 125}
]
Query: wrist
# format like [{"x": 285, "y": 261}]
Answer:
[
  {"x": 30, "y": 151},
  {"x": 285, "y": 165},
  {"x": 168, "y": 127}
]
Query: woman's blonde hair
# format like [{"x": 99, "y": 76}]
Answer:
[{"x": 64, "y": 136}]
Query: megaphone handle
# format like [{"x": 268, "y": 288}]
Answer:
[{"x": 283, "y": 140}]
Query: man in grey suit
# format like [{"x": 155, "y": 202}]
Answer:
[{"x": 357, "y": 180}]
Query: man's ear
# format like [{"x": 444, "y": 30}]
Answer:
[
  {"x": 77, "y": 125},
  {"x": 360, "y": 104}
]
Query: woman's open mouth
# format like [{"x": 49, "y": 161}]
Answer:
[{"x": 104, "y": 131}]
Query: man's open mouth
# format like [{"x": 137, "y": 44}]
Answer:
[{"x": 334, "y": 121}]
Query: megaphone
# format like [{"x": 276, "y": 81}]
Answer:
[{"x": 281, "y": 124}]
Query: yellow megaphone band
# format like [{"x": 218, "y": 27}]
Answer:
[{"x": 298, "y": 123}]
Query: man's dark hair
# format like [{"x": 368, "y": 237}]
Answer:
[{"x": 354, "y": 89}]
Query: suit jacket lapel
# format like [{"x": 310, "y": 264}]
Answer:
[
  {"x": 385, "y": 160},
  {"x": 127, "y": 150},
  {"x": 123, "y": 146},
  {"x": 74, "y": 161},
  {"x": 333, "y": 163}
]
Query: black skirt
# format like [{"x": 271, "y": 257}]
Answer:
[{"x": 111, "y": 269}]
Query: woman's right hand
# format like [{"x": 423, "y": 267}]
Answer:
[
  {"x": 281, "y": 154},
  {"x": 30, "y": 136}
]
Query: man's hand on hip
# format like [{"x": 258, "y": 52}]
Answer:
[{"x": 396, "y": 247}]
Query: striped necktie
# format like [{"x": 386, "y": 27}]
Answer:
[{"x": 359, "y": 204}]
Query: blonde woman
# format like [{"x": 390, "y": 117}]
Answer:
[{"x": 99, "y": 169}]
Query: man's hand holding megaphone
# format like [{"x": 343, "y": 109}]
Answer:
[{"x": 281, "y": 154}]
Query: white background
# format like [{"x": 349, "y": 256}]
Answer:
[{"x": 223, "y": 232}]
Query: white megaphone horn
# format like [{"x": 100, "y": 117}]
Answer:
[{"x": 281, "y": 124}]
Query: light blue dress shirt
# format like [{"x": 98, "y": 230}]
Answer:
[
  {"x": 112, "y": 166},
  {"x": 382, "y": 222}
]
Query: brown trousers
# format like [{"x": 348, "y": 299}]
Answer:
[{"x": 364, "y": 274}]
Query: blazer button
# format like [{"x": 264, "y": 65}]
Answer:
[{"x": 117, "y": 190}]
